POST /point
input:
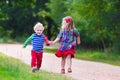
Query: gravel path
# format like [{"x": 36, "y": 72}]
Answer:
[{"x": 82, "y": 70}]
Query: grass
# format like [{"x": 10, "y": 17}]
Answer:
[
  {"x": 109, "y": 58},
  {"x": 50, "y": 50},
  {"x": 14, "y": 69},
  {"x": 99, "y": 56}
]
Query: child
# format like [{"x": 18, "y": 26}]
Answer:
[
  {"x": 37, "y": 39},
  {"x": 67, "y": 37}
]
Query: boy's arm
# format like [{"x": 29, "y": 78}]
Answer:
[
  {"x": 27, "y": 41},
  {"x": 46, "y": 40}
]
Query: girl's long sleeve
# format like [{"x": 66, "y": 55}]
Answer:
[{"x": 27, "y": 41}]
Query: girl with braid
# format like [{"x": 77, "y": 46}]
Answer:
[{"x": 67, "y": 36}]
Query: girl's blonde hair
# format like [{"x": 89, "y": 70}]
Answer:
[
  {"x": 38, "y": 25},
  {"x": 67, "y": 23}
]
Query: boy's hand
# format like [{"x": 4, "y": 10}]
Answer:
[{"x": 49, "y": 43}]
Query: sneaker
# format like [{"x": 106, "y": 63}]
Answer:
[
  {"x": 37, "y": 70},
  {"x": 33, "y": 69}
]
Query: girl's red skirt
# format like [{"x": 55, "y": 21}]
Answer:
[{"x": 60, "y": 53}]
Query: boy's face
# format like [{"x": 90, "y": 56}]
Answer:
[{"x": 38, "y": 30}]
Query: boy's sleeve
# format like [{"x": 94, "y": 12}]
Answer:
[
  {"x": 46, "y": 40},
  {"x": 27, "y": 41}
]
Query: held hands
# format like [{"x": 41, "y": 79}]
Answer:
[
  {"x": 53, "y": 42},
  {"x": 56, "y": 40},
  {"x": 49, "y": 43}
]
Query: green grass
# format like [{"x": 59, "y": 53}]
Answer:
[
  {"x": 14, "y": 69},
  {"x": 50, "y": 50},
  {"x": 109, "y": 58}
]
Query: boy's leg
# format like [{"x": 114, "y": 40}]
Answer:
[
  {"x": 39, "y": 59},
  {"x": 33, "y": 59}
]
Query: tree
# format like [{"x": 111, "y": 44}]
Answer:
[{"x": 96, "y": 21}]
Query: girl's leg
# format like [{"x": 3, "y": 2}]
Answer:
[
  {"x": 63, "y": 65},
  {"x": 69, "y": 62}
]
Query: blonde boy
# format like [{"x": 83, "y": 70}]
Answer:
[{"x": 37, "y": 39}]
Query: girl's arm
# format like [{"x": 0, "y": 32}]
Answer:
[
  {"x": 27, "y": 41},
  {"x": 78, "y": 40},
  {"x": 76, "y": 33},
  {"x": 58, "y": 37},
  {"x": 56, "y": 40}
]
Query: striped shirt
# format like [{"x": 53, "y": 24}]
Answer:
[{"x": 37, "y": 42}]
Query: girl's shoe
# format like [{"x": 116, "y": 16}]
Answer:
[
  {"x": 62, "y": 71},
  {"x": 69, "y": 70}
]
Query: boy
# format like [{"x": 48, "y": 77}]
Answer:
[{"x": 37, "y": 39}]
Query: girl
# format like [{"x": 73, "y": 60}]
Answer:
[{"x": 67, "y": 37}]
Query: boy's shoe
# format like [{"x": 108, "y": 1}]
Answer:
[
  {"x": 37, "y": 70},
  {"x": 33, "y": 69}
]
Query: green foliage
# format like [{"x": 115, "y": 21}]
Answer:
[
  {"x": 20, "y": 16},
  {"x": 5, "y": 35},
  {"x": 56, "y": 10},
  {"x": 98, "y": 21}
]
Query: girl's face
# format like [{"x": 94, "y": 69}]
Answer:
[{"x": 38, "y": 31}]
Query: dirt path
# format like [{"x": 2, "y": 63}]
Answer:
[{"x": 82, "y": 70}]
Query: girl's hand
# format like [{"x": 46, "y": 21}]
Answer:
[
  {"x": 53, "y": 42},
  {"x": 78, "y": 42}
]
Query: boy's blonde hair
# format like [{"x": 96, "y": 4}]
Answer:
[
  {"x": 38, "y": 25},
  {"x": 67, "y": 23}
]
